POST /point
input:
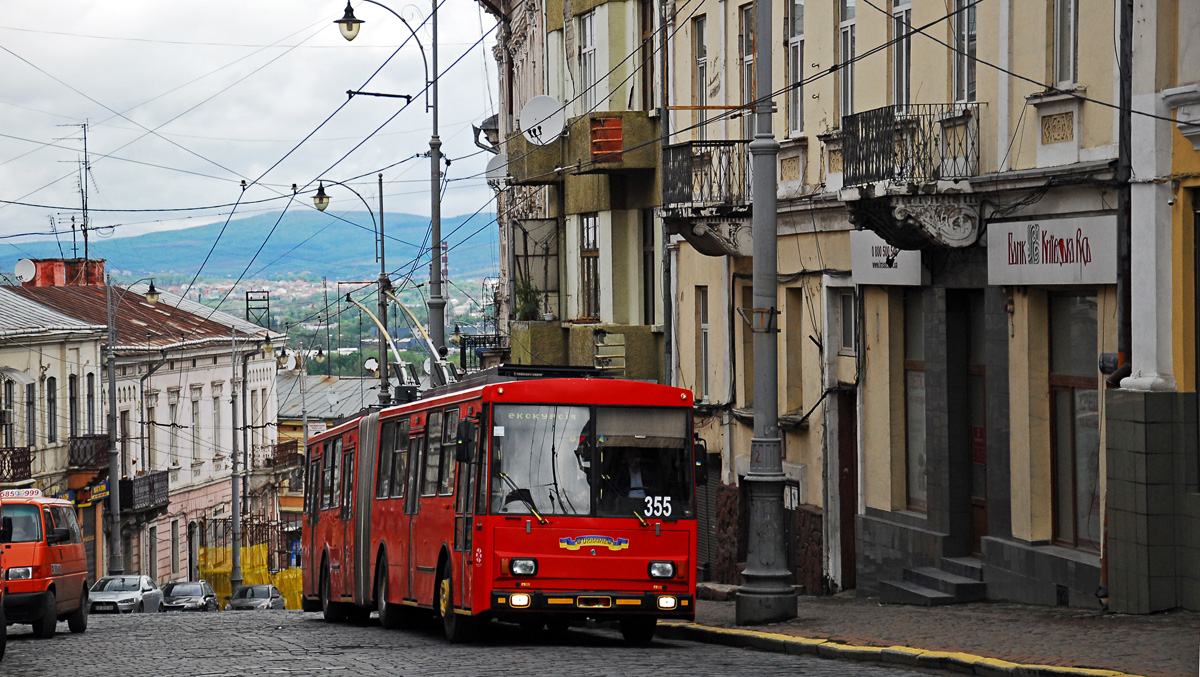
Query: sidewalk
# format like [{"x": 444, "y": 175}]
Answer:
[{"x": 1026, "y": 640}]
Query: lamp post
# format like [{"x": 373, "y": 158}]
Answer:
[
  {"x": 115, "y": 560},
  {"x": 350, "y": 26},
  {"x": 321, "y": 201}
]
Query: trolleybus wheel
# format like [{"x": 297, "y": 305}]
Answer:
[
  {"x": 639, "y": 629},
  {"x": 333, "y": 611},
  {"x": 457, "y": 627},
  {"x": 389, "y": 614}
]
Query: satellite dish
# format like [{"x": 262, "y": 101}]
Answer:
[
  {"x": 291, "y": 362},
  {"x": 497, "y": 172},
  {"x": 332, "y": 398},
  {"x": 26, "y": 270},
  {"x": 542, "y": 119},
  {"x": 371, "y": 364}
]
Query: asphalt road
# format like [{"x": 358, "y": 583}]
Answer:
[{"x": 289, "y": 642}]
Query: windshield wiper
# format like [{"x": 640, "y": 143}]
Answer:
[
  {"x": 522, "y": 495},
  {"x": 636, "y": 514}
]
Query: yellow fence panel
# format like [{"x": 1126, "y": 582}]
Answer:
[
  {"x": 291, "y": 583},
  {"x": 217, "y": 563}
]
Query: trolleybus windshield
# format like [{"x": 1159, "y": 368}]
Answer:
[{"x": 590, "y": 461}]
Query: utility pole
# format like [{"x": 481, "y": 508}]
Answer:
[
  {"x": 116, "y": 565},
  {"x": 437, "y": 302},
  {"x": 664, "y": 115},
  {"x": 235, "y": 571},
  {"x": 767, "y": 595}
]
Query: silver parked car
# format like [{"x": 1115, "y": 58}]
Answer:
[
  {"x": 256, "y": 597},
  {"x": 126, "y": 594}
]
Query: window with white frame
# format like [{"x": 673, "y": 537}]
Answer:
[
  {"x": 746, "y": 46},
  {"x": 702, "y": 356},
  {"x": 73, "y": 405},
  {"x": 847, "y": 313},
  {"x": 91, "y": 404},
  {"x": 901, "y": 52},
  {"x": 173, "y": 414},
  {"x": 30, "y": 415},
  {"x": 589, "y": 266},
  {"x": 9, "y": 397},
  {"x": 963, "y": 56},
  {"x": 846, "y": 30},
  {"x": 123, "y": 433},
  {"x": 796, "y": 67},
  {"x": 1066, "y": 42},
  {"x": 216, "y": 418},
  {"x": 195, "y": 425},
  {"x": 587, "y": 60},
  {"x": 700, "y": 75},
  {"x": 151, "y": 438},
  {"x": 51, "y": 409}
]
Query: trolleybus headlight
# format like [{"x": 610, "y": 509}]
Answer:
[
  {"x": 523, "y": 566},
  {"x": 667, "y": 602},
  {"x": 662, "y": 570},
  {"x": 518, "y": 600}
]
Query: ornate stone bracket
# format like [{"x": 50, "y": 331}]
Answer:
[
  {"x": 1186, "y": 100},
  {"x": 920, "y": 221},
  {"x": 715, "y": 236}
]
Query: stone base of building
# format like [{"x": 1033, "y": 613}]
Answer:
[
  {"x": 888, "y": 543},
  {"x": 1032, "y": 573}
]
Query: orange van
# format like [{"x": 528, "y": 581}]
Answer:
[{"x": 45, "y": 567}]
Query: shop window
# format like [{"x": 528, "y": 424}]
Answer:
[
  {"x": 1075, "y": 420},
  {"x": 914, "y": 398}
]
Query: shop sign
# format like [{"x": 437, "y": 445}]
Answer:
[
  {"x": 100, "y": 491},
  {"x": 874, "y": 261},
  {"x": 316, "y": 427},
  {"x": 1077, "y": 250}
]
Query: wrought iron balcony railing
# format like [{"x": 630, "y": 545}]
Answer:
[
  {"x": 706, "y": 174},
  {"x": 88, "y": 451},
  {"x": 16, "y": 464},
  {"x": 918, "y": 143},
  {"x": 145, "y": 492},
  {"x": 284, "y": 454},
  {"x": 471, "y": 344}
]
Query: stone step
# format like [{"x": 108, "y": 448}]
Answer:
[
  {"x": 967, "y": 567},
  {"x": 961, "y": 588},
  {"x": 904, "y": 592}
]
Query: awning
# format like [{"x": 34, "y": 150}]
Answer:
[{"x": 17, "y": 375}]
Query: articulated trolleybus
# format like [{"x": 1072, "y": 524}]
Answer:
[{"x": 541, "y": 502}]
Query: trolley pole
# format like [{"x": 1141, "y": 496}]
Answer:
[{"x": 767, "y": 595}]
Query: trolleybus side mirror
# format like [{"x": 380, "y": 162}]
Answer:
[
  {"x": 6, "y": 530},
  {"x": 464, "y": 447},
  {"x": 700, "y": 459}
]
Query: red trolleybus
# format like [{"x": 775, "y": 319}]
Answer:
[{"x": 541, "y": 501}]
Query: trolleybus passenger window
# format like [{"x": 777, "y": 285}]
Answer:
[
  {"x": 414, "y": 471},
  {"x": 449, "y": 429},
  {"x": 327, "y": 478},
  {"x": 347, "y": 482},
  {"x": 383, "y": 469},
  {"x": 335, "y": 464},
  {"x": 433, "y": 455},
  {"x": 481, "y": 464},
  {"x": 466, "y": 479},
  {"x": 400, "y": 460}
]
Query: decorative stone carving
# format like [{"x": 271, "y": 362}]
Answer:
[
  {"x": 920, "y": 221},
  {"x": 716, "y": 237},
  {"x": 1186, "y": 100},
  {"x": 1058, "y": 128}
]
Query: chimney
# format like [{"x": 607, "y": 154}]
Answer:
[{"x": 67, "y": 273}]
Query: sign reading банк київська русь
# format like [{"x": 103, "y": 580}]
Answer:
[{"x": 1076, "y": 250}]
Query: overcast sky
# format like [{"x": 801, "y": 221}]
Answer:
[{"x": 183, "y": 100}]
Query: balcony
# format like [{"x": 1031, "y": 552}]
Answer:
[
  {"x": 611, "y": 142},
  {"x": 285, "y": 454},
  {"x": 906, "y": 172},
  {"x": 706, "y": 195},
  {"x": 145, "y": 492},
  {"x": 16, "y": 464},
  {"x": 88, "y": 451},
  {"x": 471, "y": 348}
]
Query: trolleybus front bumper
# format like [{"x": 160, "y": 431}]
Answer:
[{"x": 594, "y": 604}]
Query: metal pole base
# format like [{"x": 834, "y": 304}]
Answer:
[
  {"x": 767, "y": 595},
  {"x": 756, "y": 609}
]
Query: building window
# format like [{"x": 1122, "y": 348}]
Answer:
[
  {"x": 1075, "y": 420},
  {"x": 796, "y": 67},
  {"x": 123, "y": 438},
  {"x": 702, "y": 358},
  {"x": 901, "y": 52},
  {"x": 73, "y": 405},
  {"x": 91, "y": 404},
  {"x": 9, "y": 397},
  {"x": 846, "y": 314},
  {"x": 589, "y": 266},
  {"x": 746, "y": 46},
  {"x": 587, "y": 60},
  {"x": 30, "y": 415},
  {"x": 174, "y": 546},
  {"x": 1066, "y": 42},
  {"x": 51, "y": 409},
  {"x": 648, "y": 46},
  {"x": 152, "y": 553},
  {"x": 963, "y": 57},
  {"x": 151, "y": 438},
  {"x": 216, "y": 425},
  {"x": 914, "y": 398},
  {"x": 700, "y": 75},
  {"x": 648, "y": 276},
  {"x": 255, "y": 431},
  {"x": 173, "y": 414},
  {"x": 195, "y": 426},
  {"x": 846, "y": 32}
]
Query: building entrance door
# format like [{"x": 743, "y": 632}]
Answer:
[{"x": 847, "y": 481}]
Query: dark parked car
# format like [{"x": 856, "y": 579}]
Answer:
[
  {"x": 256, "y": 597},
  {"x": 189, "y": 596}
]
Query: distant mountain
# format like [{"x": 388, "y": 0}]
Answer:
[{"x": 303, "y": 242}]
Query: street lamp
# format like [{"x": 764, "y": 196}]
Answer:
[
  {"x": 321, "y": 201},
  {"x": 349, "y": 25},
  {"x": 115, "y": 560}
]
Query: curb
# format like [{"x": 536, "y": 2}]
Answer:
[{"x": 954, "y": 661}]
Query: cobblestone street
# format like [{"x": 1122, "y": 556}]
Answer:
[{"x": 289, "y": 642}]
